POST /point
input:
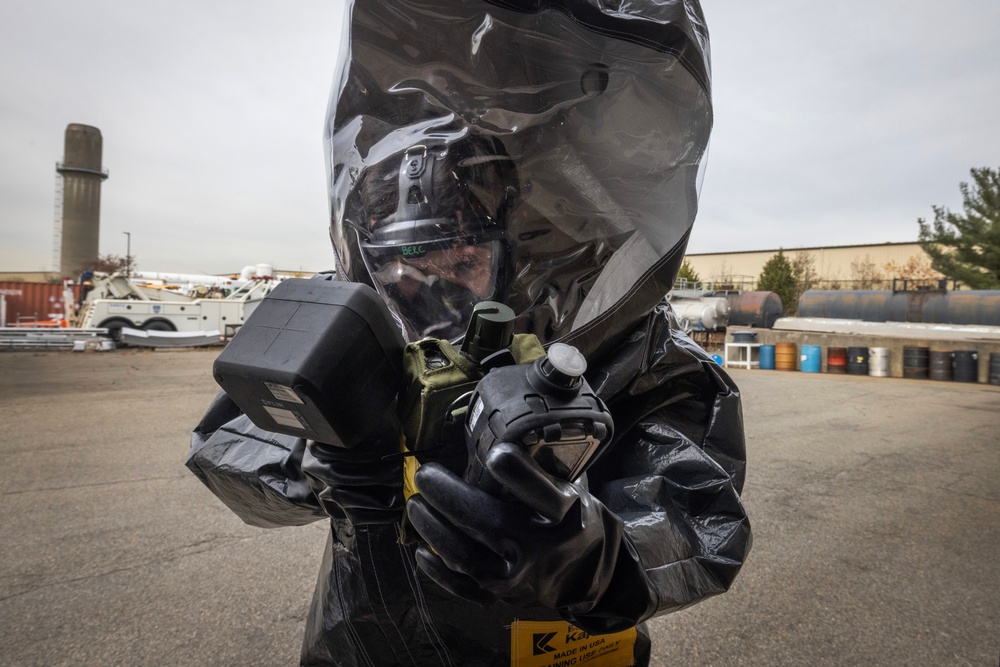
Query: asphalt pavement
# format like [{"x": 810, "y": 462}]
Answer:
[{"x": 875, "y": 505}]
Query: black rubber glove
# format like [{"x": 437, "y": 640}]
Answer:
[
  {"x": 548, "y": 543},
  {"x": 358, "y": 483}
]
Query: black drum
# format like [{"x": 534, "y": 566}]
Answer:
[
  {"x": 994, "y": 377},
  {"x": 940, "y": 365},
  {"x": 916, "y": 361},
  {"x": 966, "y": 366},
  {"x": 857, "y": 361}
]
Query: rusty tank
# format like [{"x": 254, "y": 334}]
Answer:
[{"x": 928, "y": 306}]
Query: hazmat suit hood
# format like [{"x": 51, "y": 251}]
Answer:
[{"x": 603, "y": 108}]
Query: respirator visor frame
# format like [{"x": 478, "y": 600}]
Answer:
[{"x": 433, "y": 282}]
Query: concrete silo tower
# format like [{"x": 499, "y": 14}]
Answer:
[{"x": 82, "y": 175}]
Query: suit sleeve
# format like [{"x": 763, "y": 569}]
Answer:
[
  {"x": 674, "y": 475},
  {"x": 257, "y": 474}
]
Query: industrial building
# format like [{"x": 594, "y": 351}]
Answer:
[{"x": 836, "y": 267}]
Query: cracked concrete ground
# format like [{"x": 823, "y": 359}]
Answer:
[{"x": 875, "y": 504}]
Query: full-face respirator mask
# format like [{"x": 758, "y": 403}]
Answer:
[{"x": 442, "y": 247}]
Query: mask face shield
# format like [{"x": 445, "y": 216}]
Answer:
[{"x": 432, "y": 286}]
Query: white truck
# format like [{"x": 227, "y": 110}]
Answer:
[{"x": 116, "y": 302}]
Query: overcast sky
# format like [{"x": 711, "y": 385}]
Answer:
[{"x": 836, "y": 123}]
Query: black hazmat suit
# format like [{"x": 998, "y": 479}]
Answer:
[{"x": 605, "y": 113}]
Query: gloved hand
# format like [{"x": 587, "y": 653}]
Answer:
[
  {"x": 548, "y": 543},
  {"x": 358, "y": 483}
]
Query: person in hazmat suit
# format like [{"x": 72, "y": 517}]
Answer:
[{"x": 545, "y": 154}]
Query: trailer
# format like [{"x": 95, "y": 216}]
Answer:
[{"x": 116, "y": 302}]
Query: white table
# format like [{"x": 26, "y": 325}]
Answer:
[{"x": 747, "y": 355}]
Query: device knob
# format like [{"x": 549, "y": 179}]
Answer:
[{"x": 560, "y": 370}]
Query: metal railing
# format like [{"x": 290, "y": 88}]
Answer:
[{"x": 63, "y": 168}]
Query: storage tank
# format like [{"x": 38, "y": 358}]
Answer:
[
  {"x": 705, "y": 314},
  {"x": 82, "y": 175},
  {"x": 754, "y": 309},
  {"x": 977, "y": 307}
]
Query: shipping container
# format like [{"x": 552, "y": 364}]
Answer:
[{"x": 33, "y": 302}]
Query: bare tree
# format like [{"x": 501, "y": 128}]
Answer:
[
  {"x": 804, "y": 273},
  {"x": 114, "y": 263},
  {"x": 865, "y": 273},
  {"x": 917, "y": 267},
  {"x": 724, "y": 276}
]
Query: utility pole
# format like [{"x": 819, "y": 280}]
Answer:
[{"x": 128, "y": 254}]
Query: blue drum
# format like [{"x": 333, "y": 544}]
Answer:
[
  {"x": 767, "y": 357},
  {"x": 812, "y": 358}
]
